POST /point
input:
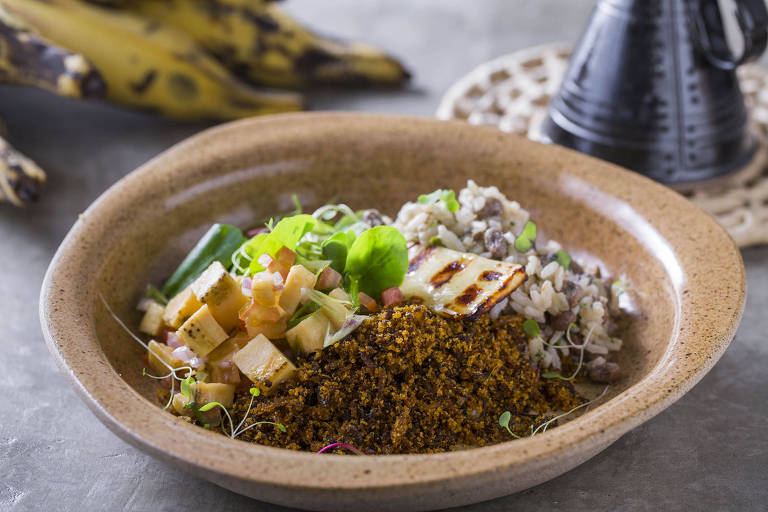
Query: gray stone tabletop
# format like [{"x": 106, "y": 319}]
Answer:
[{"x": 709, "y": 451}]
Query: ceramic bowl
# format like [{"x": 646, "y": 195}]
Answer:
[{"x": 685, "y": 275}]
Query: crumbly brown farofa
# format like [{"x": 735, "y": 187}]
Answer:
[{"x": 410, "y": 381}]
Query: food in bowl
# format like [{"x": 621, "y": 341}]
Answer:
[{"x": 449, "y": 327}]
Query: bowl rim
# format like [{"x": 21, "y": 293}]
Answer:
[{"x": 710, "y": 326}]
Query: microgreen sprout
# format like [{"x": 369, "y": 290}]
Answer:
[
  {"x": 524, "y": 242},
  {"x": 543, "y": 427},
  {"x": 173, "y": 372},
  {"x": 297, "y": 204},
  {"x": 153, "y": 293},
  {"x": 555, "y": 375},
  {"x": 447, "y": 196},
  {"x": 504, "y": 422},
  {"x": 185, "y": 385},
  {"x": 563, "y": 259},
  {"x": 340, "y": 445},
  {"x": 618, "y": 288}
]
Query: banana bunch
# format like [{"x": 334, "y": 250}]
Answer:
[{"x": 184, "y": 59}]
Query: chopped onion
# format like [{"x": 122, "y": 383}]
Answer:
[
  {"x": 183, "y": 354},
  {"x": 265, "y": 260},
  {"x": 246, "y": 286},
  {"x": 348, "y": 327},
  {"x": 277, "y": 280},
  {"x": 172, "y": 339}
]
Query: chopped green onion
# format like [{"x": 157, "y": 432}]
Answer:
[
  {"x": 218, "y": 244},
  {"x": 531, "y": 328},
  {"x": 524, "y": 242},
  {"x": 563, "y": 258}
]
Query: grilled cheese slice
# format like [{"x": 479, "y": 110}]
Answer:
[{"x": 456, "y": 283}]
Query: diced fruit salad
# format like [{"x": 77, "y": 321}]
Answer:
[{"x": 238, "y": 310}]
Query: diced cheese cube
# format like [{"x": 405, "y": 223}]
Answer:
[
  {"x": 152, "y": 322},
  {"x": 160, "y": 352},
  {"x": 264, "y": 364},
  {"x": 180, "y": 308},
  {"x": 309, "y": 335},
  {"x": 201, "y": 332},
  {"x": 216, "y": 288},
  {"x": 207, "y": 392},
  {"x": 298, "y": 277}
]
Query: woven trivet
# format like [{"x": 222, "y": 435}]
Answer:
[{"x": 512, "y": 93}]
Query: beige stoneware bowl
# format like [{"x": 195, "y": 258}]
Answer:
[{"x": 685, "y": 276}]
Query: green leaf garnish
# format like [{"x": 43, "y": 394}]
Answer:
[
  {"x": 552, "y": 375},
  {"x": 377, "y": 260},
  {"x": 254, "y": 391},
  {"x": 218, "y": 244},
  {"x": 336, "y": 247},
  {"x": 504, "y": 423},
  {"x": 285, "y": 233},
  {"x": 156, "y": 295},
  {"x": 210, "y": 405},
  {"x": 563, "y": 258},
  {"x": 531, "y": 328},
  {"x": 524, "y": 242},
  {"x": 445, "y": 195},
  {"x": 435, "y": 240},
  {"x": 280, "y": 426}
]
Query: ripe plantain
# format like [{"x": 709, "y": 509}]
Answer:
[
  {"x": 26, "y": 59},
  {"x": 262, "y": 44},
  {"x": 20, "y": 177},
  {"x": 146, "y": 64}
]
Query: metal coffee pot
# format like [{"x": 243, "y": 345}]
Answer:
[{"x": 651, "y": 86}]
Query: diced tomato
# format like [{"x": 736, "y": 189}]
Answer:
[
  {"x": 367, "y": 302},
  {"x": 328, "y": 279},
  {"x": 391, "y": 296}
]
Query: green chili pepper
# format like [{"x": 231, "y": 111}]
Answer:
[{"x": 218, "y": 244}]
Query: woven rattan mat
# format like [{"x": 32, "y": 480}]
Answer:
[{"x": 512, "y": 93}]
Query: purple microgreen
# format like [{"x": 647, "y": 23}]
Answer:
[{"x": 340, "y": 445}]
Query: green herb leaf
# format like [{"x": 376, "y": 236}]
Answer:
[
  {"x": 445, "y": 195},
  {"x": 531, "y": 327},
  {"x": 435, "y": 240},
  {"x": 377, "y": 260},
  {"x": 185, "y": 386},
  {"x": 552, "y": 375},
  {"x": 504, "y": 419},
  {"x": 156, "y": 295},
  {"x": 563, "y": 258},
  {"x": 524, "y": 242},
  {"x": 254, "y": 391},
  {"x": 281, "y": 427},
  {"x": 335, "y": 249},
  {"x": 218, "y": 244},
  {"x": 285, "y": 233}
]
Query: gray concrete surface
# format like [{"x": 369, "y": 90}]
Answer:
[{"x": 707, "y": 452}]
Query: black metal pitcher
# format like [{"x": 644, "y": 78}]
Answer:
[{"x": 651, "y": 86}]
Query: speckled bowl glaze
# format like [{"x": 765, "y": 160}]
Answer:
[{"x": 686, "y": 277}]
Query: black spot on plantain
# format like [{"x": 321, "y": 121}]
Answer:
[
  {"x": 146, "y": 81},
  {"x": 263, "y": 21},
  {"x": 312, "y": 59},
  {"x": 182, "y": 87}
]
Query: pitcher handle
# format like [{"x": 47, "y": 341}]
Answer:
[{"x": 752, "y": 18}]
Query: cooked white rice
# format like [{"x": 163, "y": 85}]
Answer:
[{"x": 487, "y": 223}]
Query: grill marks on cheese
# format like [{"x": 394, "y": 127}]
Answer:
[{"x": 456, "y": 283}]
